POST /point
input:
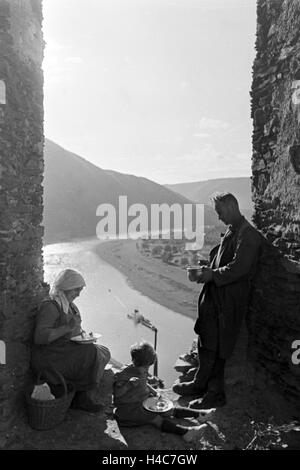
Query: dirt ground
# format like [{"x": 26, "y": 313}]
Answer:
[{"x": 248, "y": 421}]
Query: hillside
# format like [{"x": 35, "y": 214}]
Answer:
[
  {"x": 74, "y": 188},
  {"x": 201, "y": 191}
]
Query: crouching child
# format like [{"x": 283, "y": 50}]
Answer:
[{"x": 131, "y": 389}]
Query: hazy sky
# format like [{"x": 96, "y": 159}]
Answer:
[{"x": 155, "y": 88}]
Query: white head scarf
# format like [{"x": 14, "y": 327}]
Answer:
[{"x": 66, "y": 280}]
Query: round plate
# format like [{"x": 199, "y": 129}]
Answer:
[
  {"x": 152, "y": 404},
  {"x": 89, "y": 339}
]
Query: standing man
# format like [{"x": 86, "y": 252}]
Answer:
[{"x": 222, "y": 303}]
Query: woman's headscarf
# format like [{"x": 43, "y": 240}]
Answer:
[{"x": 66, "y": 280}]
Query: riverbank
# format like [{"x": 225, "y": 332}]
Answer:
[{"x": 163, "y": 283}]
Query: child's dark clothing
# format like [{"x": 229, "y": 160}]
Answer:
[{"x": 129, "y": 405}]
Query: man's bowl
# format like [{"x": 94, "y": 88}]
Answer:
[{"x": 194, "y": 272}]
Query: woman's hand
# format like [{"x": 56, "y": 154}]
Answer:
[
  {"x": 63, "y": 330},
  {"x": 68, "y": 330},
  {"x": 73, "y": 326}
]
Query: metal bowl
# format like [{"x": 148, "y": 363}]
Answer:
[{"x": 193, "y": 272}]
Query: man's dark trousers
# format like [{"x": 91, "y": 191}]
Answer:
[{"x": 210, "y": 373}]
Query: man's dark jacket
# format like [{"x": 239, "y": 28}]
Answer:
[{"x": 223, "y": 301}]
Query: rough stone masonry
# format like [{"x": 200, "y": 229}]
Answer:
[
  {"x": 274, "y": 320},
  {"x": 21, "y": 207}
]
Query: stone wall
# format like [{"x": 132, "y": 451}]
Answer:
[
  {"x": 21, "y": 174},
  {"x": 274, "y": 320}
]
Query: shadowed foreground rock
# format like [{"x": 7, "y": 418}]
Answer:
[
  {"x": 79, "y": 431},
  {"x": 100, "y": 431},
  {"x": 247, "y": 419}
]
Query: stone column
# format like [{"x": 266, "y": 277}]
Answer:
[
  {"x": 274, "y": 320},
  {"x": 21, "y": 193}
]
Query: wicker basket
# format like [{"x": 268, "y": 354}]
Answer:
[{"x": 46, "y": 414}]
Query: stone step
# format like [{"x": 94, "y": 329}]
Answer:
[{"x": 182, "y": 366}]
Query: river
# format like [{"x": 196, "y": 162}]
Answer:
[{"x": 108, "y": 299}]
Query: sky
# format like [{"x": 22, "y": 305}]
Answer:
[{"x": 154, "y": 88}]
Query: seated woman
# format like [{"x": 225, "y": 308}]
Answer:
[
  {"x": 58, "y": 320},
  {"x": 131, "y": 389}
]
